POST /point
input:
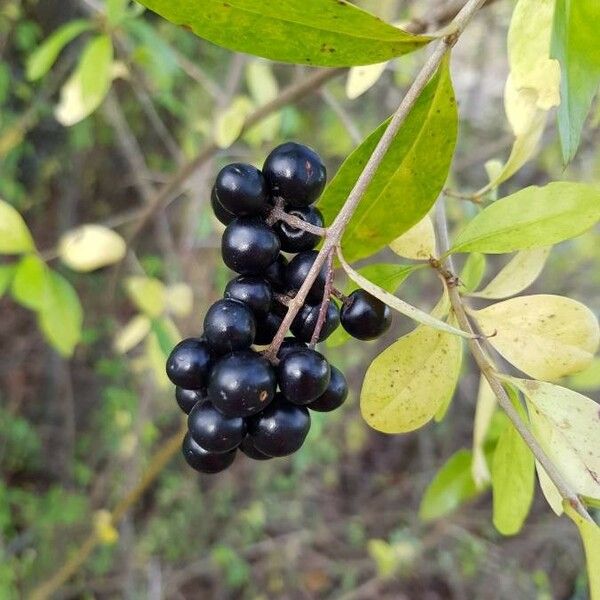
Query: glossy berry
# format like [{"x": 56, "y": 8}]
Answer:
[
  {"x": 280, "y": 429},
  {"x": 365, "y": 317},
  {"x": 229, "y": 325},
  {"x": 298, "y": 240},
  {"x": 254, "y": 292},
  {"x": 249, "y": 246},
  {"x": 242, "y": 384},
  {"x": 213, "y": 430},
  {"x": 241, "y": 189},
  {"x": 266, "y": 328},
  {"x": 334, "y": 396},
  {"x": 289, "y": 344},
  {"x": 188, "y": 364},
  {"x": 298, "y": 269},
  {"x": 203, "y": 461},
  {"x": 275, "y": 273},
  {"x": 303, "y": 376},
  {"x": 305, "y": 322},
  {"x": 187, "y": 399},
  {"x": 295, "y": 173},
  {"x": 219, "y": 210},
  {"x": 248, "y": 448}
]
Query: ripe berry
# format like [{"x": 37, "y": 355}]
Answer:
[
  {"x": 280, "y": 429},
  {"x": 295, "y": 173},
  {"x": 289, "y": 344},
  {"x": 303, "y": 376},
  {"x": 187, "y": 399},
  {"x": 298, "y": 240},
  {"x": 229, "y": 325},
  {"x": 298, "y": 269},
  {"x": 214, "y": 431},
  {"x": 266, "y": 328},
  {"x": 248, "y": 448},
  {"x": 203, "y": 461},
  {"x": 335, "y": 394},
  {"x": 255, "y": 292},
  {"x": 242, "y": 384},
  {"x": 188, "y": 364},
  {"x": 305, "y": 322},
  {"x": 365, "y": 317},
  {"x": 241, "y": 189},
  {"x": 220, "y": 211},
  {"x": 249, "y": 246},
  {"x": 275, "y": 273}
]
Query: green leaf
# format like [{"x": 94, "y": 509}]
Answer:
[
  {"x": 531, "y": 218},
  {"x": 45, "y": 55},
  {"x": 166, "y": 334},
  {"x": 14, "y": 234},
  {"x": 313, "y": 32},
  {"x": 452, "y": 486},
  {"x": 484, "y": 412},
  {"x": 588, "y": 379},
  {"x": 473, "y": 271},
  {"x": 116, "y": 11},
  {"x": 148, "y": 294},
  {"x": 61, "y": 317},
  {"x": 7, "y": 273},
  {"x": 410, "y": 177},
  {"x": 30, "y": 283},
  {"x": 576, "y": 45}
]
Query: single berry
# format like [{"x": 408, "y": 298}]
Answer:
[
  {"x": 254, "y": 292},
  {"x": 298, "y": 269},
  {"x": 335, "y": 394},
  {"x": 188, "y": 364},
  {"x": 298, "y": 240},
  {"x": 275, "y": 273},
  {"x": 214, "y": 431},
  {"x": 248, "y": 448},
  {"x": 241, "y": 189},
  {"x": 305, "y": 322},
  {"x": 365, "y": 317},
  {"x": 219, "y": 210},
  {"x": 303, "y": 376},
  {"x": 187, "y": 399},
  {"x": 202, "y": 460},
  {"x": 229, "y": 325},
  {"x": 242, "y": 384},
  {"x": 266, "y": 328},
  {"x": 289, "y": 344},
  {"x": 295, "y": 173},
  {"x": 280, "y": 429},
  {"x": 249, "y": 246}
]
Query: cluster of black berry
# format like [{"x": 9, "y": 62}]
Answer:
[{"x": 235, "y": 397}]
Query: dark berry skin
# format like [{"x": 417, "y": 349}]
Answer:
[
  {"x": 266, "y": 328},
  {"x": 254, "y": 292},
  {"x": 297, "y": 240},
  {"x": 305, "y": 322},
  {"x": 229, "y": 325},
  {"x": 213, "y": 430},
  {"x": 187, "y": 399},
  {"x": 249, "y": 246},
  {"x": 298, "y": 269},
  {"x": 275, "y": 273},
  {"x": 295, "y": 173},
  {"x": 303, "y": 376},
  {"x": 365, "y": 317},
  {"x": 241, "y": 189},
  {"x": 248, "y": 448},
  {"x": 280, "y": 429},
  {"x": 189, "y": 363},
  {"x": 203, "y": 461},
  {"x": 219, "y": 210},
  {"x": 334, "y": 396},
  {"x": 242, "y": 384},
  {"x": 289, "y": 344}
]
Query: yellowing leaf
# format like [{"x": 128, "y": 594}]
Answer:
[
  {"x": 549, "y": 490},
  {"x": 148, "y": 294},
  {"x": 180, "y": 299},
  {"x": 418, "y": 242},
  {"x": 155, "y": 361},
  {"x": 30, "y": 282},
  {"x": 90, "y": 247},
  {"x": 484, "y": 411},
  {"x": 408, "y": 382},
  {"x": 14, "y": 234},
  {"x": 132, "y": 334},
  {"x": 545, "y": 336},
  {"x": 360, "y": 79},
  {"x": 104, "y": 528},
  {"x": 261, "y": 81},
  {"x": 588, "y": 379},
  {"x": 517, "y": 275},
  {"x": 230, "y": 123}
]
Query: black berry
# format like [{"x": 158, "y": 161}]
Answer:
[
  {"x": 275, "y": 273},
  {"x": 248, "y": 448},
  {"x": 187, "y": 399},
  {"x": 298, "y": 240},
  {"x": 219, "y": 210},
  {"x": 213, "y": 430},
  {"x": 266, "y": 328},
  {"x": 365, "y": 317},
  {"x": 242, "y": 384},
  {"x": 295, "y": 173},
  {"x": 229, "y": 325},
  {"x": 241, "y": 189},
  {"x": 298, "y": 269},
  {"x": 303, "y": 376},
  {"x": 249, "y": 246},
  {"x": 203, "y": 461},
  {"x": 255, "y": 292},
  {"x": 305, "y": 322},
  {"x": 335, "y": 394},
  {"x": 188, "y": 364},
  {"x": 289, "y": 344}
]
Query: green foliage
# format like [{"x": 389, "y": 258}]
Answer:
[
  {"x": 14, "y": 235},
  {"x": 30, "y": 282}
]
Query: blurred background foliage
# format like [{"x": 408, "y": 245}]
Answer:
[{"x": 83, "y": 397}]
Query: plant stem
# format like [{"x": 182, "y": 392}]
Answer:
[
  {"x": 325, "y": 302},
  {"x": 278, "y": 214},
  {"x": 489, "y": 371}
]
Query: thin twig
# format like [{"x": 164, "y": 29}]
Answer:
[
  {"x": 278, "y": 214},
  {"x": 325, "y": 302}
]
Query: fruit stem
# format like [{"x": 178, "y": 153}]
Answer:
[
  {"x": 338, "y": 294},
  {"x": 325, "y": 302},
  {"x": 278, "y": 214}
]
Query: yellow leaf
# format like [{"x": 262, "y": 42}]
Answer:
[
  {"x": 418, "y": 242},
  {"x": 132, "y": 334},
  {"x": 360, "y": 79},
  {"x": 408, "y": 382},
  {"x": 90, "y": 247},
  {"x": 523, "y": 269},
  {"x": 230, "y": 123},
  {"x": 155, "y": 361},
  {"x": 180, "y": 299},
  {"x": 14, "y": 234},
  {"x": 148, "y": 294},
  {"x": 105, "y": 530},
  {"x": 549, "y": 490},
  {"x": 484, "y": 410},
  {"x": 261, "y": 81},
  {"x": 545, "y": 336}
]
